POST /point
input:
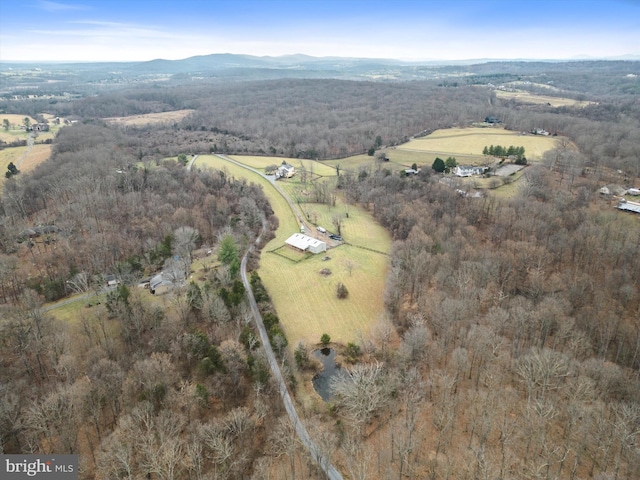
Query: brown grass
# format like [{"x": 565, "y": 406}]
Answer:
[
  {"x": 526, "y": 97},
  {"x": 38, "y": 154},
  {"x": 150, "y": 118}
]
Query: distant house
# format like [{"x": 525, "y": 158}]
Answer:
[
  {"x": 411, "y": 171},
  {"x": 306, "y": 243},
  {"x": 616, "y": 190},
  {"x": 46, "y": 231},
  {"x": 468, "y": 171},
  {"x": 40, "y": 127},
  {"x": 492, "y": 119},
  {"x": 159, "y": 283},
  {"x": 539, "y": 131},
  {"x": 285, "y": 171},
  {"x": 111, "y": 280}
]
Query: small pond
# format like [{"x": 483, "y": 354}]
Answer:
[{"x": 322, "y": 379}]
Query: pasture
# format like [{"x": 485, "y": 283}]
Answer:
[
  {"x": 304, "y": 299},
  {"x": 460, "y": 142},
  {"x": 397, "y": 161},
  {"x": 150, "y": 118},
  {"x": 313, "y": 167},
  {"x": 534, "y": 99}
]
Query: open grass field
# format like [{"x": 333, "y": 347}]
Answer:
[
  {"x": 305, "y": 300},
  {"x": 38, "y": 154},
  {"x": 356, "y": 162},
  {"x": 527, "y": 97},
  {"x": 471, "y": 141},
  {"x": 71, "y": 310},
  {"x": 260, "y": 163},
  {"x": 174, "y": 116}
]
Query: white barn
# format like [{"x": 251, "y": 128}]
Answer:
[{"x": 306, "y": 243}]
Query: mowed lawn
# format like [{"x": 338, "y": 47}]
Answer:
[
  {"x": 471, "y": 141},
  {"x": 304, "y": 299}
]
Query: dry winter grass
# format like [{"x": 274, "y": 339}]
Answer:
[
  {"x": 396, "y": 162},
  {"x": 471, "y": 141},
  {"x": 149, "y": 118},
  {"x": 37, "y": 155},
  {"x": 526, "y": 97}
]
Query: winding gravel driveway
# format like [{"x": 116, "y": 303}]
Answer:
[{"x": 325, "y": 464}]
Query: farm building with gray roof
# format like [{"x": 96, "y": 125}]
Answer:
[{"x": 306, "y": 243}]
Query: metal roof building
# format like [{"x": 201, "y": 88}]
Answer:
[
  {"x": 306, "y": 243},
  {"x": 629, "y": 206}
]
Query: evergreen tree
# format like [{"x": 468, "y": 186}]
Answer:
[
  {"x": 228, "y": 254},
  {"x": 438, "y": 165}
]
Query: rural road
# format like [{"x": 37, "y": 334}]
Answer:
[
  {"x": 324, "y": 463},
  {"x": 193, "y": 159}
]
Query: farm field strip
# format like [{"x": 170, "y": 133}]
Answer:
[
  {"x": 147, "y": 118},
  {"x": 357, "y": 161},
  {"x": 532, "y": 98}
]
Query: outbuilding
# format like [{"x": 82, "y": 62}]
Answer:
[{"x": 306, "y": 243}]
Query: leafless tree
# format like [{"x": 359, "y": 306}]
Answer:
[{"x": 360, "y": 392}]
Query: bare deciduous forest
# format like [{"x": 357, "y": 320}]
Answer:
[{"x": 515, "y": 351}]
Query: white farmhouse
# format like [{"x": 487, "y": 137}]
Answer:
[
  {"x": 285, "y": 171},
  {"x": 468, "y": 171}
]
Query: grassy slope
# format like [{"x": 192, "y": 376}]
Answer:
[
  {"x": 38, "y": 154},
  {"x": 305, "y": 300}
]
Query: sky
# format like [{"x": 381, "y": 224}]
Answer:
[{"x": 420, "y": 30}]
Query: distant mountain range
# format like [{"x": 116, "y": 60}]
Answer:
[{"x": 225, "y": 66}]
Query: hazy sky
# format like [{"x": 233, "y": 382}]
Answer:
[{"x": 112, "y": 30}]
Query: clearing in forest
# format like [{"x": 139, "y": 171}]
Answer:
[
  {"x": 150, "y": 118},
  {"x": 305, "y": 300},
  {"x": 459, "y": 142},
  {"x": 531, "y": 98}
]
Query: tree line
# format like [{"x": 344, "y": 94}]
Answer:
[{"x": 517, "y": 153}]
